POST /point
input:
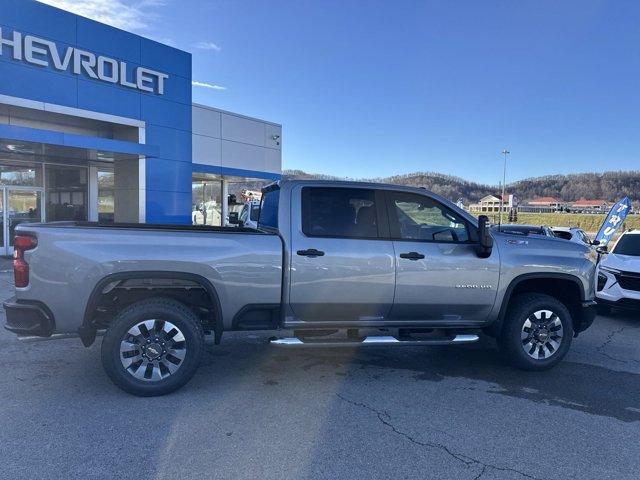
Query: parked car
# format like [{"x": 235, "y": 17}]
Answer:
[
  {"x": 619, "y": 275},
  {"x": 249, "y": 214},
  {"x": 338, "y": 263},
  {"x": 573, "y": 234},
  {"x": 517, "y": 229},
  {"x": 206, "y": 213}
]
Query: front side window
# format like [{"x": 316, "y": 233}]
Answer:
[
  {"x": 339, "y": 212},
  {"x": 416, "y": 217},
  {"x": 629, "y": 244}
]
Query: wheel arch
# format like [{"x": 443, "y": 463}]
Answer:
[
  {"x": 547, "y": 283},
  {"x": 87, "y": 331}
]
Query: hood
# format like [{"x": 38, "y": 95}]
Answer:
[{"x": 627, "y": 263}]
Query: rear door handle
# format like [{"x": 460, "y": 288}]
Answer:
[
  {"x": 311, "y": 252},
  {"x": 412, "y": 256}
]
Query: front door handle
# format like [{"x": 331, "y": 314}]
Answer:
[
  {"x": 412, "y": 256},
  {"x": 311, "y": 252}
]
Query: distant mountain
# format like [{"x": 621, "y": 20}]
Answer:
[{"x": 610, "y": 186}]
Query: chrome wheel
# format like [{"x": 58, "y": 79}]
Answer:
[
  {"x": 541, "y": 334},
  {"x": 152, "y": 350}
]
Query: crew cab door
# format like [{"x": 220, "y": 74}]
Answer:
[
  {"x": 439, "y": 276},
  {"x": 342, "y": 264}
]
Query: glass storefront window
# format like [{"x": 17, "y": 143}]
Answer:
[
  {"x": 24, "y": 206},
  {"x": 206, "y": 199},
  {"x": 66, "y": 193},
  {"x": 105, "y": 195},
  {"x": 24, "y": 175}
]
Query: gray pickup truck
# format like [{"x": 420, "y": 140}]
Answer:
[{"x": 330, "y": 264}]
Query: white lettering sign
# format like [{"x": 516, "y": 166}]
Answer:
[{"x": 45, "y": 53}]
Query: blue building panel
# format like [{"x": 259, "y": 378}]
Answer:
[
  {"x": 177, "y": 88},
  {"x": 234, "y": 172},
  {"x": 38, "y": 84},
  {"x": 165, "y": 58},
  {"x": 113, "y": 100},
  {"x": 174, "y": 144},
  {"x": 166, "y": 114},
  {"x": 29, "y": 16},
  {"x": 168, "y": 175},
  {"x": 100, "y": 38},
  {"x": 168, "y": 207},
  {"x": 49, "y": 137}
]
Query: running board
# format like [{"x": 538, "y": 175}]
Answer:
[{"x": 372, "y": 341}]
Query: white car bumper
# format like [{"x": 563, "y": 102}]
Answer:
[{"x": 612, "y": 293}]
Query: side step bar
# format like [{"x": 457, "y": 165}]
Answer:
[{"x": 372, "y": 341}]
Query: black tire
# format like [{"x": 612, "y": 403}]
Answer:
[
  {"x": 523, "y": 308},
  {"x": 163, "y": 310},
  {"x": 603, "y": 309}
]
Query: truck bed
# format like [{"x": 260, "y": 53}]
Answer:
[{"x": 243, "y": 265}]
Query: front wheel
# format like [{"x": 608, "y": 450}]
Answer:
[
  {"x": 153, "y": 347},
  {"x": 537, "y": 331}
]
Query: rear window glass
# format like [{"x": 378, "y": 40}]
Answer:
[
  {"x": 268, "y": 216},
  {"x": 255, "y": 213},
  {"x": 339, "y": 212},
  {"x": 628, "y": 245}
]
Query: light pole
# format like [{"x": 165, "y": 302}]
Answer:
[{"x": 504, "y": 152}]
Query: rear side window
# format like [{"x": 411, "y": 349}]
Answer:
[
  {"x": 628, "y": 245},
  {"x": 269, "y": 209},
  {"x": 339, "y": 212}
]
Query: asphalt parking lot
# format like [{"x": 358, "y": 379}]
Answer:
[{"x": 254, "y": 411}]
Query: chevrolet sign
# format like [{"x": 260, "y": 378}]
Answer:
[{"x": 44, "y": 53}]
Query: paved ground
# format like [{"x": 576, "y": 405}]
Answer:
[{"x": 253, "y": 411}]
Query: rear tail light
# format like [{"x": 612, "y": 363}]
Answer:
[{"x": 21, "y": 244}]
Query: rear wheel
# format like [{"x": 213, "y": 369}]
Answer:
[
  {"x": 537, "y": 331},
  {"x": 153, "y": 347}
]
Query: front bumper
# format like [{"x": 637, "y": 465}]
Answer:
[
  {"x": 587, "y": 315},
  {"x": 28, "y": 318},
  {"x": 612, "y": 293},
  {"x": 624, "y": 303}
]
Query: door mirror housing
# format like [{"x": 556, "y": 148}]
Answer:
[
  {"x": 485, "y": 245},
  {"x": 602, "y": 249}
]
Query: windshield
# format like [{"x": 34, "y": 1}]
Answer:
[{"x": 628, "y": 245}]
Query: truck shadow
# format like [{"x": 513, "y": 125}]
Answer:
[{"x": 582, "y": 387}]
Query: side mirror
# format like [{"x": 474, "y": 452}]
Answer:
[
  {"x": 602, "y": 249},
  {"x": 484, "y": 236},
  {"x": 233, "y": 218},
  {"x": 595, "y": 243}
]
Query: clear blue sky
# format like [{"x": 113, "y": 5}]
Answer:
[{"x": 374, "y": 88}]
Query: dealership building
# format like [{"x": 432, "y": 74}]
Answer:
[{"x": 98, "y": 124}]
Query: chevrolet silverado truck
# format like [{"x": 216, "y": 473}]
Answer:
[{"x": 330, "y": 264}]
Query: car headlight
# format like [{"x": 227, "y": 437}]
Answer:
[{"x": 612, "y": 271}]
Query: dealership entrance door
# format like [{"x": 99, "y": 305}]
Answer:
[{"x": 19, "y": 205}]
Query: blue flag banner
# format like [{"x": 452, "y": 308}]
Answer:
[{"x": 614, "y": 220}]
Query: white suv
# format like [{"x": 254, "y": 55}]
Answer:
[{"x": 619, "y": 274}]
